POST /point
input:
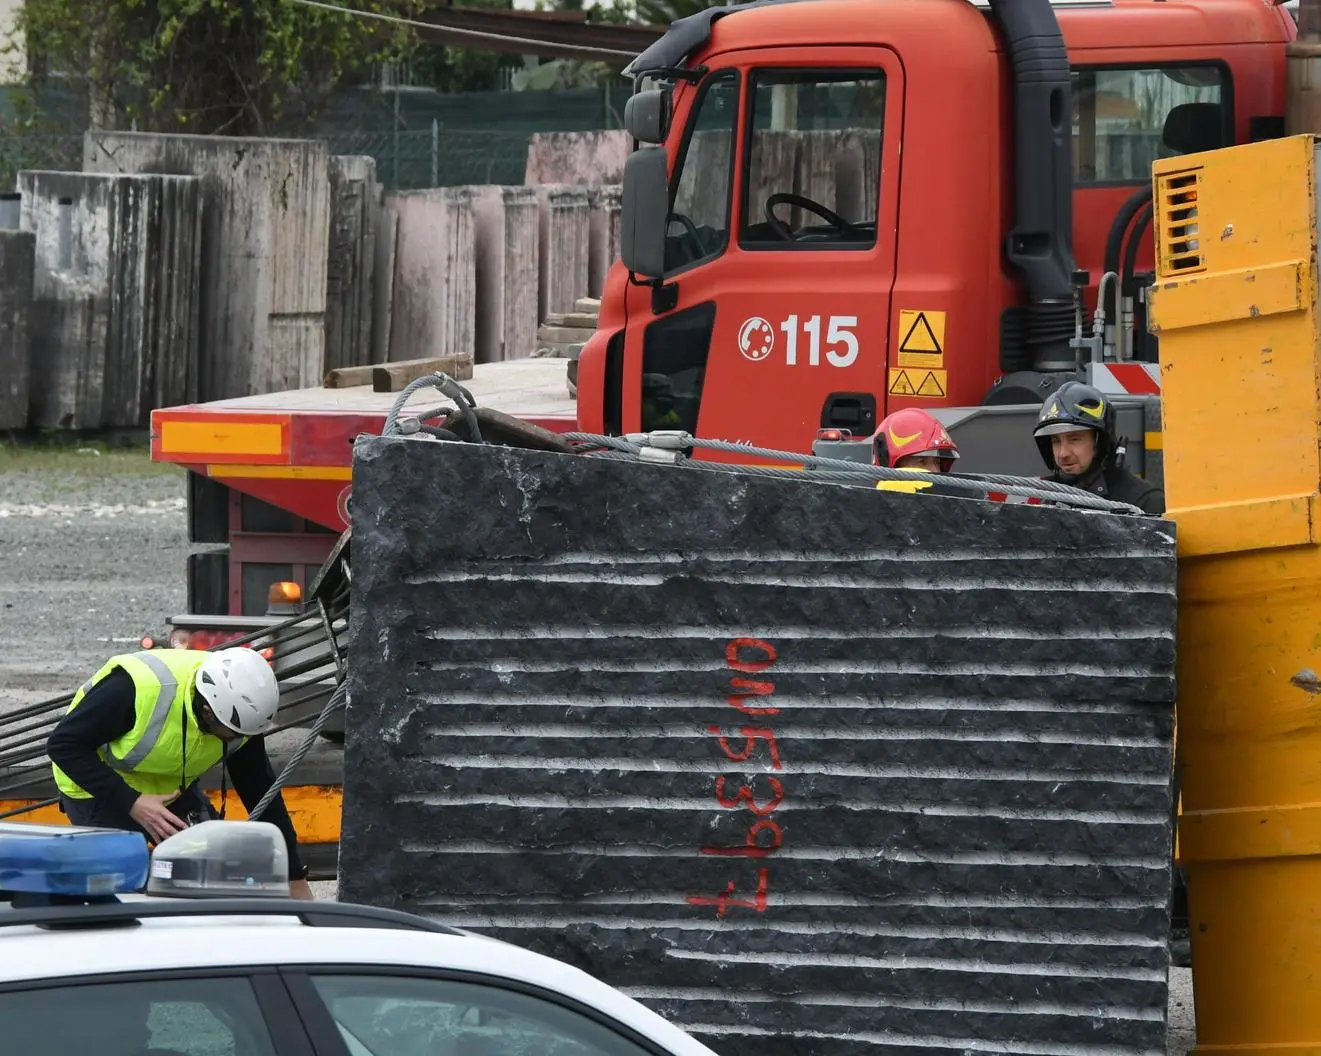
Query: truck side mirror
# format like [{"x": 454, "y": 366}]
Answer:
[
  {"x": 647, "y": 115},
  {"x": 643, "y": 210}
]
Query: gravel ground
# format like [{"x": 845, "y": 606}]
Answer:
[{"x": 92, "y": 555}]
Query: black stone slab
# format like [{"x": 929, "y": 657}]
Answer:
[{"x": 963, "y": 828}]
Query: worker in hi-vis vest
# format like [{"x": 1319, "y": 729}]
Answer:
[
  {"x": 141, "y": 732},
  {"x": 914, "y": 440}
]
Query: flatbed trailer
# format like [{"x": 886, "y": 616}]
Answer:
[{"x": 270, "y": 477}]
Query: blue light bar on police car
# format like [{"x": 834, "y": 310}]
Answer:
[{"x": 64, "y": 860}]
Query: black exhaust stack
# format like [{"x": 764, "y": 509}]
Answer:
[{"x": 1040, "y": 245}]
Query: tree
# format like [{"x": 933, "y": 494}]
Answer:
[
  {"x": 450, "y": 69},
  {"x": 212, "y": 67}
]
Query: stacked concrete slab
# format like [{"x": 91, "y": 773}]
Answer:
[
  {"x": 265, "y": 243},
  {"x": 584, "y": 159},
  {"x": 505, "y": 223},
  {"x": 521, "y": 288},
  {"x": 17, "y": 256},
  {"x": 115, "y": 291},
  {"x": 564, "y": 336},
  {"x": 355, "y": 214},
  {"x": 279, "y": 264},
  {"x": 565, "y": 247},
  {"x": 434, "y": 301},
  {"x": 386, "y": 241},
  {"x": 604, "y": 233}
]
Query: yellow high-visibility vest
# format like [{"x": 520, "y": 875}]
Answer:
[
  {"x": 151, "y": 757},
  {"x": 910, "y": 486}
]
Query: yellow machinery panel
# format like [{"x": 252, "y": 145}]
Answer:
[{"x": 1235, "y": 305}]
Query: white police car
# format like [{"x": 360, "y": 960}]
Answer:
[{"x": 216, "y": 960}]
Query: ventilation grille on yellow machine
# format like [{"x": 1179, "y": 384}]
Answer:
[{"x": 1178, "y": 244}]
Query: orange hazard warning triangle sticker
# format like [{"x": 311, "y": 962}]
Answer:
[
  {"x": 931, "y": 385},
  {"x": 928, "y": 384},
  {"x": 921, "y": 340},
  {"x": 920, "y": 337}
]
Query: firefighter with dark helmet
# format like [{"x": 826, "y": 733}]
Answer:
[
  {"x": 914, "y": 440},
  {"x": 1076, "y": 435}
]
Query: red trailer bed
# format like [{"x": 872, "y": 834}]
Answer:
[
  {"x": 294, "y": 449},
  {"x": 270, "y": 475}
]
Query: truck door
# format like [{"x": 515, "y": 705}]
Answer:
[{"x": 779, "y": 252}]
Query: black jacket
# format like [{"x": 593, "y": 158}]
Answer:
[
  {"x": 107, "y": 712},
  {"x": 1119, "y": 485}
]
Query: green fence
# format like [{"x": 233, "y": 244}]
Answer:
[
  {"x": 404, "y": 160},
  {"x": 418, "y": 139},
  {"x": 424, "y": 139},
  {"x": 437, "y": 157}
]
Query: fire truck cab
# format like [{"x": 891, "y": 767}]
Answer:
[{"x": 839, "y": 208}]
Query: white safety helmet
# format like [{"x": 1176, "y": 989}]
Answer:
[{"x": 241, "y": 689}]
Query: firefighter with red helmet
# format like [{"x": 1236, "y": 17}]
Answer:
[
  {"x": 912, "y": 439},
  {"x": 1078, "y": 441}
]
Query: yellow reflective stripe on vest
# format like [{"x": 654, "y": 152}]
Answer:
[
  {"x": 160, "y": 713},
  {"x": 910, "y": 486}
]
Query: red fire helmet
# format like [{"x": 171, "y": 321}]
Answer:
[{"x": 912, "y": 432}]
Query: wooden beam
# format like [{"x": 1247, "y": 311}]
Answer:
[
  {"x": 392, "y": 377},
  {"x": 347, "y": 377}
]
